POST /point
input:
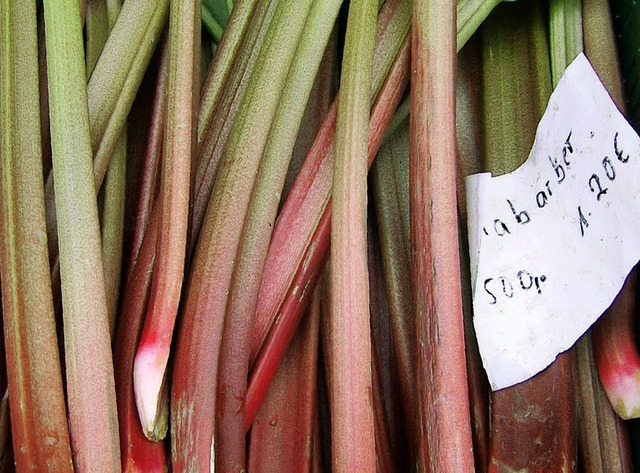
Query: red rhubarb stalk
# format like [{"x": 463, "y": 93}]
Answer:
[
  {"x": 443, "y": 399},
  {"x": 616, "y": 353},
  {"x": 39, "y": 418},
  {"x": 89, "y": 367},
  {"x": 139, "y": 454},
  {"x": 283, "y": 431},
  {"x": 153, "y": 352}
]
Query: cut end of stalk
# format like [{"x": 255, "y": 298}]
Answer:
[
  {"x": 624, "y": 394},
  {"x": 151, "y": 393}
]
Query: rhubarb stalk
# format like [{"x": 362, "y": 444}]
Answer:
[
  {"x": 38, "y": 419},
  {"x": 443, "y": 398},
  {"x": 305, "y": 216},
  {"x": 153, "y": 352},
  {"x": 352, "y": 426},
  {"x": 283, "y": 431},
  {"x": 533, "y": 423},
  {"x": 256, "y": 234},
  {"x": 89, "y": 368},
  {"x": 139, "y": 454},
  {"x": 193, "y": 399}
]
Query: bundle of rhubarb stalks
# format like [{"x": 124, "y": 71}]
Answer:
[{"x": 233, "y": 236}]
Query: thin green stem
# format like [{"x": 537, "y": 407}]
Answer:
[{"x": 214, "y": 29}]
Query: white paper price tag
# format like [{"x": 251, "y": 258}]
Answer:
[{"x": 552, "y": 242}]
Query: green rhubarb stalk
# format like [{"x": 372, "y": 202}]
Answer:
[
  {"x": 443, "y": 398},
  {"x": 210, "y": 279},
  {"x": 222, "y": 64},
  {"x": 96, "y": 32},
  {"x": 352, "y": 426},
  {"x": 112, "y": 89},
  {"x": 90, "y": 384},
  {"x": 153, "y": 352},
  {"x": 256, "y": 234},
  {"x": 113, "y": 207},
  {"x": 101, "y": 16},
  {"x": 517, "y": 86},
  {"x": 113, "y": 227},
  {"x": 39, "y": 424},
  {"x": 213, "y": 27},
  {"x": 213, "y": 141}
]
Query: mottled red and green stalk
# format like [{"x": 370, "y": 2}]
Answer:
[
  {"x": 289, "y": 306},
  {"x": 261, "y": 213},
  {"x": 298, "y": 241},
  {"x": 38, "y": 413},
  {"x": 445, "y": 424},
  {"x": 533, "y": 424},
  {"x": 352, "y": 426},
  {"x": 89, "y": 368},
  {"x": 194, "y": 383},
  {"x": 153, "y": 352}
]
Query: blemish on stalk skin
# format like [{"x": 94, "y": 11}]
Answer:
[
  {"x": 506, "y": 468},
  {"x": 532, "y": 412},
  {"x": 223, "y": 400},
  {"x": 240, "y": 398},
  {"x": 274, "y": 421}
]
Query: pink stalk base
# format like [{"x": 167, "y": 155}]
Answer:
[
  {"x": 139, "y": 454},
  {"x": 616, "y": 354}
]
